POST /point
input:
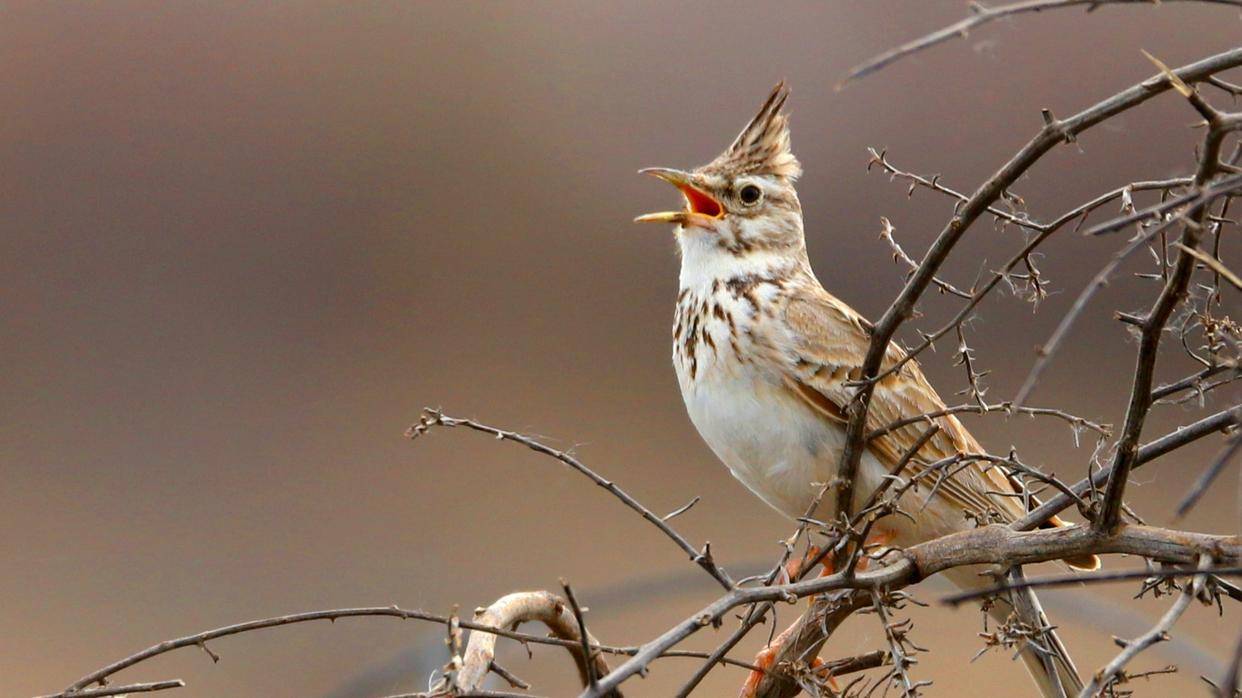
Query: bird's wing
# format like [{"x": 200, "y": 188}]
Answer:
[{"x": 828, "y": 344}]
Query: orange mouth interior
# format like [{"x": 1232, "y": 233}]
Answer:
[{"x": 698, "y": 202}]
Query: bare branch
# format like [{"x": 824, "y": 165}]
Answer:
[
  {"x": 899, "y": 255},
  {"x": 1205, "y": 480},
  {"x": 1049, "y": 348},
  {"x": 1054, "y": 132},
  {"x": 1076, "y": 578},
  {"x": 981, "y": 15},
  {"x": 718, "y": 654},
  {"x": 1230, "y": 684},
  {"x": 989, "y": 545},
  {"x": 1219, "y": 125},
  {"x": 432, "y": 417},
  {"x": 510, "y": 611},
  {"x": 1191, "y": 199},
  {"x": 1007, "y": 407},
  {"x": 513, "y": 679},
  {"x": 1178, "y": 438},
  {"x": 592, "y": 674},
  {"x": 477, "y": 693},
  {"x": 1158, "y": 633},
  {"x": 1212, "y": 263},
  {"x": 199, "y": 640},
  {"x": 898, "y": 647},
  {"x": 122, "y": 690},
  {"x": 1225, "y": 86},
  {"x": 933, "y": 183},
  {"x": 1191, "y": 381}
]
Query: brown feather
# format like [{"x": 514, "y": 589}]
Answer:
[{"x": 831, "y": 341}]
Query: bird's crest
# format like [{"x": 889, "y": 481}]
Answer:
[{"x": 763, "y": 146}]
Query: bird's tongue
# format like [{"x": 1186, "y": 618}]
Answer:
[{"x": 698, "y": 202}]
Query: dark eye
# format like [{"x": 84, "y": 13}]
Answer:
[{"x": 750, "y": 194}]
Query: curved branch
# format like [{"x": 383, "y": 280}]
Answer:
[
  {"x": 433, "y": 417},
  {"x": 991, "y": 545},
  {"x": 509, "y": 612},
  {"x": 1151, "y": 451},
  {"x": 1158, "y": 633},
  {"x": 122, "y": 690},
  {"x": 1054, "y": 132},
  {"x": 981, "y": 15}
]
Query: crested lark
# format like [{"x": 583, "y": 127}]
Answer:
[{"x": 765, "y": 357}]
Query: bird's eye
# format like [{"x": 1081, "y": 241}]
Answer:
[{"x": 750, "y": 194}]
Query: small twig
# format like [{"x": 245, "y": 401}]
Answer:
[
  {"x": 1006, "y": 407},
  {"x": 1074, "y": 579},
  {"x": 1150, "y": 451},
  {"x": 933, "y": 183},
  {"x": 680, "y": 510},
  {"x": 476, "y": 693},
  {"x": 1205, "y": 480},
  {"x": 980, "y": 15},
  {"x": 899, "y": 255},
  {"x": 724, "y": 648},
  {"x": 591, "y": 678},
  {"x": 1225, "y": 86},
  {"x": 513, "y": 679},
  {"x": 433, "y": 417},
  {"x": 1213, "y": 263},
  {"x": 897, "y": 649},
  {"x": 1187, "y": 382},
  {"x": 1158, "y": 633},
  {"x": 1050, "y": 347},
  {"x": 120, "y": 690},
  {"x": 1230, "y": 685},
  {"x": 1193, "y": 198}
]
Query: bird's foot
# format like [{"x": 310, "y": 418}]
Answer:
[
  {"x": 766, "y": 659},
  {"x": 794, "y": 568}
]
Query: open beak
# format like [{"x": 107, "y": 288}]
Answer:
[{"x": 701, "y": 208}]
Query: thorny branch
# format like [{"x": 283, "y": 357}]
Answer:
[
  {"x": 1186, "y": 204},
  {"x": 967, "y": 210},
  {"x": 1112, "y": 672},
  {"x": 123, "y": 690},
  {"x": 1095, "y": 578},
  {"x": 1174, "y": 291},
  {"x": 991, "y": 545},
  {"x": 1054, "y": 132},
  {"x": 433, "y": 417},
  {"x": 512, "y": 610},
  {"x": 980, "y": 15}
]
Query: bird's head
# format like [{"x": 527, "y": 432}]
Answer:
[{"x": 744, "y": 200}]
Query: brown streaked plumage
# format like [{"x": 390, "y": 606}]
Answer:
[{"x": 765, "y": 357}]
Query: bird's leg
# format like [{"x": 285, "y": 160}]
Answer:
[
  {"x": 878, "y": 539},
  {"x": 793, "y": 568},
  {"x": 766, "y": 658}
]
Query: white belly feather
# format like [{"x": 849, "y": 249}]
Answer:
[{"x": 770, "y": 440}]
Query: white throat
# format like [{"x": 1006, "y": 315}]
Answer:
[{"x": 703, "y": 261}]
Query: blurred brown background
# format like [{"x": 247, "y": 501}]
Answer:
[{"x": 243, "y": 245}]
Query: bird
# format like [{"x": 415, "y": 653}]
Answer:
[{"x": 768, "y": 362}]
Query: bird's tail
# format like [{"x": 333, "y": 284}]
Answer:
[{"x": 1045, "y": 656}]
